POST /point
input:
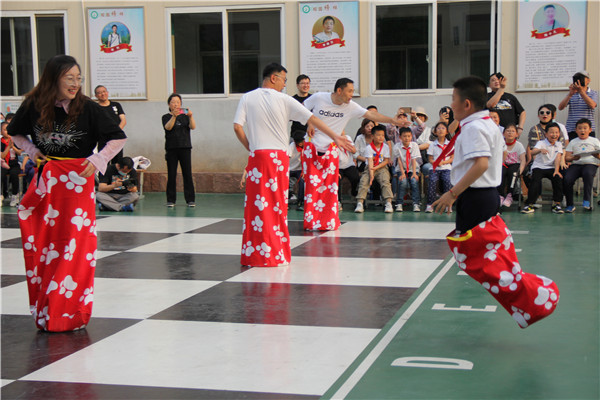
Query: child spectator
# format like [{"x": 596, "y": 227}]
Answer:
[
  {"x": 496, "y": 118},
  {"x": 347, "y": 169},
  {"x": 513, "y": 165},
  {"x": 442, "y": 172},
  {"x": 546, "y": 165},
  {"x": 295, "y": 153},
  {"x": 10, "y": 167},
  {"x": 583, "y": 164},
  {"x": 361, "y": 141},
  {"x": 407, "y": 153},
  {"x": 378, "y": 158}
]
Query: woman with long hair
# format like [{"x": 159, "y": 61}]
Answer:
[{"x": 57, "y": 214}]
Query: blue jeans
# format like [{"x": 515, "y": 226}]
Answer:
[{"x": 404, "y": 184}]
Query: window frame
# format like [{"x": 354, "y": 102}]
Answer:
[
  {"x": 225, "y": 29},
  {"x": 34, "y": 45},
  {"x": 494, "y": 56}
]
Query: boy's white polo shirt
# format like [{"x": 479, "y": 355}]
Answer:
[{"x": 546, "y": 161}]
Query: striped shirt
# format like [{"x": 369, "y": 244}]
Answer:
[{"x": 579, "y": 109}]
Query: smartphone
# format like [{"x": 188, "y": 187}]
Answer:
[
  {"x": 184, "y": 111},
  {"x": 580, "y": 79},
  {"x": 499, "y": 75}
]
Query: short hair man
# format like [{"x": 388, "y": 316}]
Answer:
[
  {"x": 328, "y": 33},
  {"x": 118, "y": 190},
  {"x": 335, "y": 109},
  {"x": 505, "y": 104},
  {"x": 582, "y": 102},
  {"x": 265, "y": 112},
  {"x": 303, "y": 85},
  {"x": 114, "y": 111}
]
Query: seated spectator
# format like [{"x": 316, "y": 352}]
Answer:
[
  {"x": 442, "y": 172},
  {"x": 583, "y": 164},
  {"x": 117, "y": 190},
  {"x": 347, "y": 169},
  {"x": 295, "y": 152},
  {"x": 546, "y": 165},
  {"x": 407, "y": 153},
  {"x": 362, "y": 140},
  {"x": 10, "y": 167},
  {"x": 582, "y": 102},
  {"x": 513, "y": 165},
  {"x": 378, "y": 158},
  {"x": 496, "y": 118},
  {"x": 28, "y": 169}
]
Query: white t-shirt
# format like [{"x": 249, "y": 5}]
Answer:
[
  {"x": 335, "y": 116},
  {"x": 435, "y": 149},
  {"x": 479, "y": 137},
  {"x": 546, "y": 161},
  {"x": 266, "y": 113},
  {"x": 583, "y": 146},
  {"x": 399, "y": 153},
  {"x": 370, "y": 152},
  {"x": 346, "y": 159},
  {"x": 295, "y": 157},
  {"x": 512, "y": 155}
]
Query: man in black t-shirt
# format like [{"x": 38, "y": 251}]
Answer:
[
  {"x": 505, "y": 104},
  {"x": 303, "y": 85},
  {"x": 117, "y": 190},
  {"x": 114, "y": 111}
]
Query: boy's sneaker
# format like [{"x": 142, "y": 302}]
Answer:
[
  {"x": 399, "y": 208},
  {"x": 191, "y": 204},
  {"x": 528, "y": 210},
  {"x": 508, "y": 200},
  {"x": 359, "y": 208},
  {"x": 127, "y": 208},
  {"x": 170, "y": 205},
  {"x": 416, "y": 208},
  {"x": 14, "y": 200},
  {"x": 429, "y": 208},
  {"x": 388, "y": 208},
  {"x": 556, "y": 209},
  {"x": 569, "y": 209},
  {"x": 587, "y": 206},
  {"x": 501, "y": 200}
]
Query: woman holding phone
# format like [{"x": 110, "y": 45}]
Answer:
[{"x": 178, "y": 146}]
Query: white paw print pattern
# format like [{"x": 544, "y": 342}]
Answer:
[
  {"x": 30, "y": 243},
  {"x": 264, "y": 250},
  {"x": 50, "y": 181},
  {"x": 277, "y": 162},
  {"x": 331, "y": 224},
  {"x": 93, "y": 196},
  {"x": 91, "y": 257},
  {"x": 51, "y": 215},
  {"x": 67, "y": 286},
  {"x": 49, "y": 254},
  {"x": 318, "y": 165},
  {"x": 277, "y": 209},
  {"x": 280, "y": 257},
  {"x": 272, "y": 184},
  {"x": 309, "y": 216},
  {"x": 43, "y": 317},
  {"x": 88, "y": 296},
  {"x": 314, "y": 180},
  {"x": 492, "y": 252},
  {"x": 316, "y": 224},
  {"x": 334, "y": 208},
  {"x": 492, "y": 288},
  {"x": 279, "y": 233},
  {"x": 73, "y": 181},
  {"x": 260, "y": 202},
  {"x": 319, "y": 206},
  {"x": 247, "y": 249},
  {"x": 308, "y": 198},
  {"x": 307, "y": 153},
  {"x": 304, "y": 167},
  {"x": 460, "y": 258},
  {"x": 52, "y": 286},
  {"x": 33, "y": 276},
  {"x": 510, "y": 278},
  {"x": 245, "y": 200},
  {"x": 520, "y": 316},
  {"x": 80, "y": 219},
  {"x": 546, "y": 296},
  {"x": 331, "y": 169},
  {"x": 24, "y": 212},
  {"x": 333, "y": 188},
  {"x": 70, "y": 250},
  {"x": 322, "y": 188},
  {"x": 508, "y": 240},
  {"x": 257, "y": 224},
  {"x": 254, "y": 175}
]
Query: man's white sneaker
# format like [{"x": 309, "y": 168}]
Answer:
[
  {"x": 359, "y": 208},
  {"x": 399, "y": 208},
  {"x": 416, "y": 208},
  {"x": 388, "y": 208},
  {"x": 14, "y": 200}
]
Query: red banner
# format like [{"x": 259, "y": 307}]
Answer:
[
  {"x": 328, "y": 43},
  {"x": 122, "y": 46},
  {"x": 557, "y": 31}
]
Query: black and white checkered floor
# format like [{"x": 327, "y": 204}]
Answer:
[{"x": 175, "y": 316}]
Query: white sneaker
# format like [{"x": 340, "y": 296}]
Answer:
[
  {"x": 388, "y": 208},
  {"x": 359, "y": 208},
  {"x": 416, "y": 208},
  {"x": 429, "y": 208},
  {"x": 14, "y": 200},
  {"x": 508, "y": 200},
  {"x": 399, "y": 208}
]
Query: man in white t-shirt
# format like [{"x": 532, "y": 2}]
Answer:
[
  {"x": 265, "y": 112},
  {"x": 321, "y": 167}
]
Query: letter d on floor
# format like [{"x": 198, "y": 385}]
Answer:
[{"x": 432, "y": 362}]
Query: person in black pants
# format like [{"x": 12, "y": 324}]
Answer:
[{"x": 178, "y": 145}]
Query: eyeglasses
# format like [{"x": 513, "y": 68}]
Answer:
[
  {"x": 279, "y": 76},
  {"x": 71, "y": 80},
  {"x": 545, "y": 112}
]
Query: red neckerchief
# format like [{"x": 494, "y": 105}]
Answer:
[
  {"x": 449, "y": 148},
  {"x": 407, "y": 158},
  {"x": 511, "y": 143},
  {"x": 377, "y": 154}
]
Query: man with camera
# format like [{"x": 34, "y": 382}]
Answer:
[
  {"x": 505, "y": 104},
  {"x": 582, "y": 102},
  {"x": 117, "y": 190}
]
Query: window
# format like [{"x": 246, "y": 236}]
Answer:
[
  {"x": 223, "y": 51},
  {"x": 405, "y": 40},
  {"x": 22, "y": 56}
]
